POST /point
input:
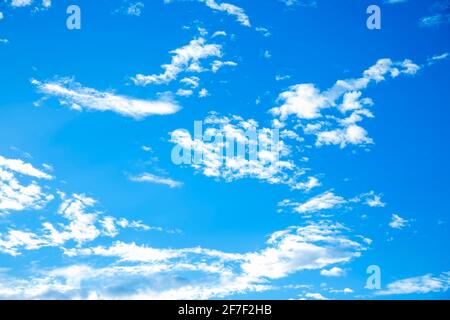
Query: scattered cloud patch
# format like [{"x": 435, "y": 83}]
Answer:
[
  {"x": 418, "y": 285},
  {"x": 151, "y": 178},
  {"x": 398, "y": 222},
  {"x": 324, "y": 201},
  {"x": 333, "y": 272},
  {"x": 184, "y": 59},
  {"x": 131, "y": 9},
  {"x": 268, "y": 164},
  {"x": 315, "y": 110}
]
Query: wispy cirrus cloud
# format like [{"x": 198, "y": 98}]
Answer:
[
  {"x": 418, "y": 285},
  {"x": 73, "y": 95},
  {"x": 324, "y": 201},
  {"x": 303, "y": 3},
  {"x": 398, "y": 222},
  {"x": 440, "y": 14},
  {"x": 228, "y": 8},
  {"x": 151, "y": 178},
  {"x": 395, "y": 1}
]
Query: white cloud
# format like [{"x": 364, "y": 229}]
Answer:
[
  {"x": 398, "y": 222},
  {"x": 230, "y": 9},
  {"x": 435, "y": 20},
  {"x": 131, "y": 8},
  {"x": 314, "y": 246},
  {"x": 186, "y": 58},
  {"x": 151, "y": 178},
  {"x": 324, "y": 201},
  {"x": 303, "y": 100},
  {"x": 315, "y": 296},
  {"x": 217, "y": 64},
  {"x": 395, "y": 1},
  {"x": 15, "y": 193},
  {"x": 26, "y": 3},
  {"x": 21, "y": 167},
  {"x": 333, "y": 272},
  {"x": 438, "y": 57},
  {"x": 152, "y": 273},
  {"x": 264, "y": 31},
  {"x": 267, "y": 165},
  {"x": 310, "y": 184},
  {"x": 203, "y": 93},
  {"x": 418, "y": 285},
  {"x": 307, "y": 103},
  {"x": 16, "y": 196},
  {"x": 73, "y": 95},
  {"x": 370, "y": 199},
  {"x": 352, "y": 134},
  {"x": 193, "y": 82},
  {"x": 129, "y": 252},
  {"x": 288, "y": 251},
  {"x": 345, "y": 290},
  {"x": 219, "y": 34},
  {"x": 16, "y": 238},
  {"x": 21, "y": 3},
  {"x": 279, "y": 77},
  {"x": 440, "y": 14},
  {"x": 135, "y": 9},
  {"x": 302, "y": 3},
  {"x": 267, "y": 54},
  {"x": 184, "y": 92},
  {"x": 82, "y": 225}
]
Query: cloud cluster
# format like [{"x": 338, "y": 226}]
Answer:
[
  {"x": 153, "y": 273},
  {"x": 185, "y": 59},
  {"x": 332, "y": 116},
  {"x": 26, "y": 3},
  {"x": 218, "y": 152},
  {"x": 80, "y": 225},
  {"x": 196, "y": 57},
  {"x": 18, "y": 189},
  {"x": 143, "y": 272}
]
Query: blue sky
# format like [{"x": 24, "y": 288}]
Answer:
[{"x": 92, "y": 204}]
